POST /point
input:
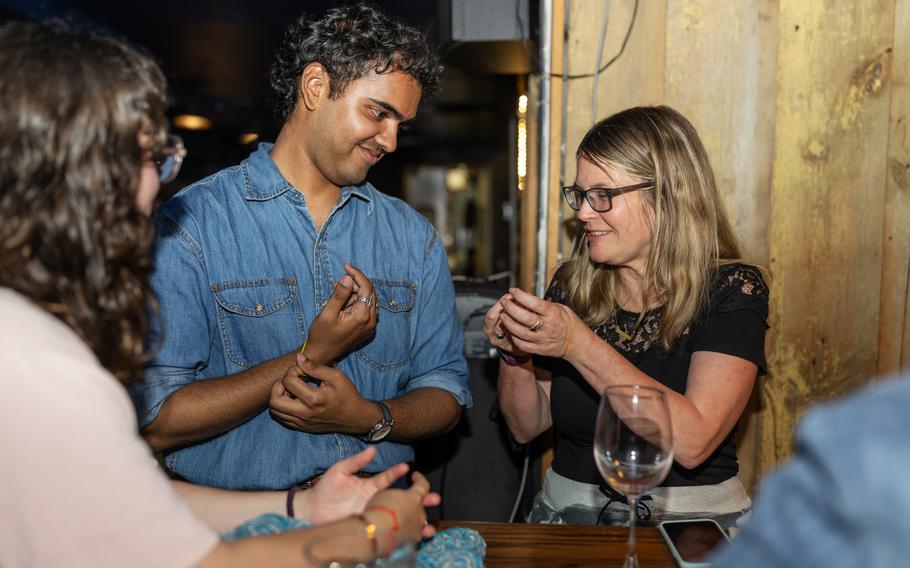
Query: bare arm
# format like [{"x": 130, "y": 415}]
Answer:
[
  {"x": 341, "y": 539},
  {"x": 524, "y": 392},
  {"x": 205, "y": 409},
  {"x": 339, "y": 493},
  {"x": 336, "y": 406},
  {"x": 717, "y": 392},
  {"x": 524, "y": 397},
  {"x": 223, "y": 510},
  {"x": 718, "y": 387},
  {"x": 421, "y": 413}
]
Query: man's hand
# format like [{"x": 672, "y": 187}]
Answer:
[
  {"x": 346, "y": 321},
  {"x": 317, "y": 399}
]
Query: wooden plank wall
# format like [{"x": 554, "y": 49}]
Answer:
[
  {"x": 894, "y": 345},
  {"x": 803, "y": 107}
]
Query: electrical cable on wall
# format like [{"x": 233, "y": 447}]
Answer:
[
  {"x": 569, "y": 76},
  {"x": 600, "y": 52}
]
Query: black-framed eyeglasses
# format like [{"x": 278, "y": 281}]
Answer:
[
  {"x": 599, "y": 198},
  {"x": 168, "y": 158}
]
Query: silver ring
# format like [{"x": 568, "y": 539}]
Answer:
[
  {"x": 500, "y": 335},
  {"x": 536, "y": 325},
  {"x": 368, "y": 300}
]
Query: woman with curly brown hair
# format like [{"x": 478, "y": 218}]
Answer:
[
  {"x": 653, "y": 295},
  {"x": 83, "y": 148}
]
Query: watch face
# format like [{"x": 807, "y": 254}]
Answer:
[{"x": 380, "y": 433}]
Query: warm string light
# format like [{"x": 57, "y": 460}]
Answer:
[
  {"x": 192, "y": 122},
  {"x": 522, "y": 152}
]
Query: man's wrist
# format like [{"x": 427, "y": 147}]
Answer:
[
  {"x": 367, "y": 414},
  {"x": 312, "y": 351}
]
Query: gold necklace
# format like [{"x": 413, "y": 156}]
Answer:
[{"x": 621, "y": 333}]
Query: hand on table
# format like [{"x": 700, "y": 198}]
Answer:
[{"x": 346, "y": 321}]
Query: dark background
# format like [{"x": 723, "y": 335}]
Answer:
[{"x": 216, "y": 55}]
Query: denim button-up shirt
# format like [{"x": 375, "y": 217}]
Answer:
[{"x": 242, "y": 271}]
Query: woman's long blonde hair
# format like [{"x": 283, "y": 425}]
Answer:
[{"x": 691, "y": 235}]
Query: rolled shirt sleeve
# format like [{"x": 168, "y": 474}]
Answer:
[
  {"x": 182, "y": 331},
  {"x": 437, "y": 350}
]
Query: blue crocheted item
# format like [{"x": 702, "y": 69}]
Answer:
[
  {"x": 270, "y": 523},
  {"x": 452, "y": 548},
  {"x": 456, "y": 547}
]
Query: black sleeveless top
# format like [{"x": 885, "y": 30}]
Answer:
[{"x": 733, "y": 323}]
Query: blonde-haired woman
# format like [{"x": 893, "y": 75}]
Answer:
[{"x": 653, "y": 295}]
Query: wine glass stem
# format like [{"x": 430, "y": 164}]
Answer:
[{"x": 631, "y": 557}]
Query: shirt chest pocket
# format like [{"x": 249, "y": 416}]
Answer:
[
  {"x": 391, "y": 347},
  {"x": 258, "y": 319}
]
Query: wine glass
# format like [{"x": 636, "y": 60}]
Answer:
[{"x": 633, "y": 445}]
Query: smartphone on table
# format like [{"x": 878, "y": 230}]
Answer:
[{"x": 691, "y": 541}]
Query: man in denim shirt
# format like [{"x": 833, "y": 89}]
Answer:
[{"x": 292, "y": 248}]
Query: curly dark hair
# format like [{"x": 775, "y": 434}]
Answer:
[
  {"x": 350, "y": 41},
  {"x": 71, "y": 237}
]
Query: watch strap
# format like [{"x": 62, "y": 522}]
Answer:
[{"x": 384, "y": 424}]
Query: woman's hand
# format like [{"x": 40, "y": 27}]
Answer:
[
  {"x": 404, "y": 509},
  {"x": 341, "y": 493},
  {"x": 494, "y": 330},
  {"x": 537, "y": 326}
]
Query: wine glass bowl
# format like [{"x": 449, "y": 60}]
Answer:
[{"x": 633, "y": 445}]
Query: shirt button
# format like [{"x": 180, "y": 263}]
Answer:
[
  {"x": 324, "y": 302},
  {"x": 259, "y": 307},
  {"x": 393, "y": 303}
]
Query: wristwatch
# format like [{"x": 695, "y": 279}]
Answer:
[{"x": 383, "y": 428}]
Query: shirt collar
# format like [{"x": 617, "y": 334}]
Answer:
[{"x": 262, "y": 180}]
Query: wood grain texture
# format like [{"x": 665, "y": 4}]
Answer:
[
  {"x": 803, "y": 107},
  {"x": 828, "y": 195},
  {"x": 894, "y": 343},
  {"x": 721, "y": 74},
  {"x": 546, "y": 546}
]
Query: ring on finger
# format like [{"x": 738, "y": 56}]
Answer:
[
  {"x": 500, "y": 335},
  {"x": 537, "y": 325},
  {"x": 368, "y": 300}
]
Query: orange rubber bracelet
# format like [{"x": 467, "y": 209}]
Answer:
[{"x": 393, "y": 514}]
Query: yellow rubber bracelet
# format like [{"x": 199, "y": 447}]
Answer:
[
  {"x": 302, "y": 347},
  {"x": 369, "y": 530},
  {"x": 565, "y": 348}
]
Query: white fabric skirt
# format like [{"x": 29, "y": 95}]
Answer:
[{"x": 564, "y": 501}]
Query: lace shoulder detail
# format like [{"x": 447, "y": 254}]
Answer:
[
  {"x": 623, "y": 331},
  {"x": 739, "y": 287}
]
